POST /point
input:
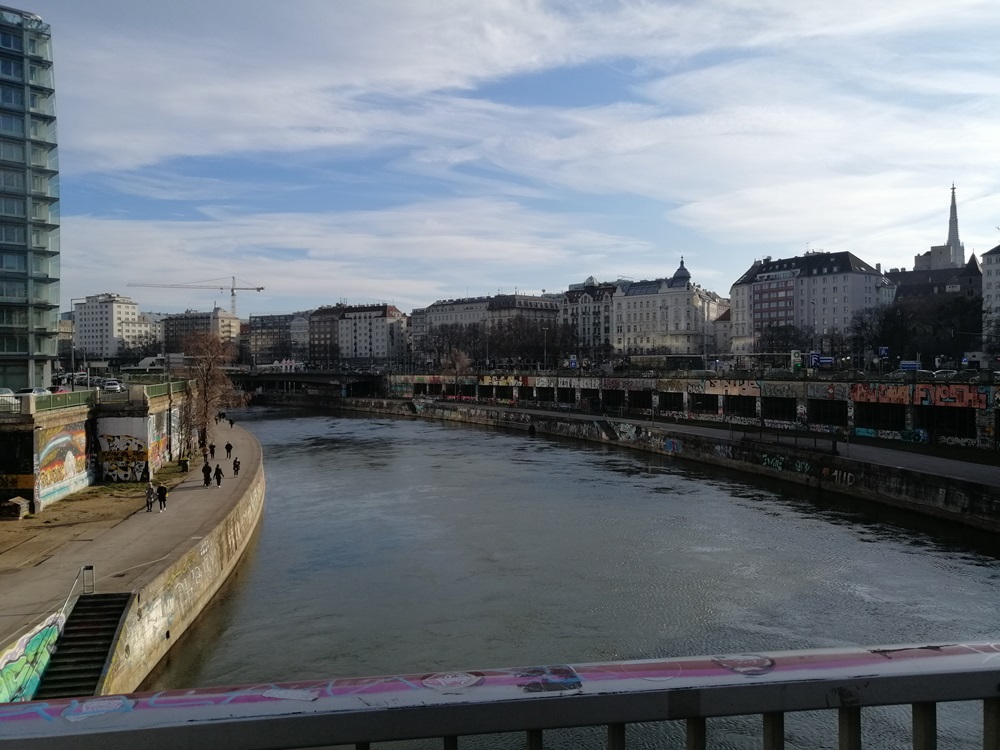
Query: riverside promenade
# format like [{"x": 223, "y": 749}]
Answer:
[{"x": 38, "y": 572}]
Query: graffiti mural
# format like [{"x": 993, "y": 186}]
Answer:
[
  {"x": 22, "y": 665},
  {"x": 122, "y": 449},
  {"x": 725, "y": 387},
  {"x": 62, "y": 460},
  {"x": 951, "y": 394}
]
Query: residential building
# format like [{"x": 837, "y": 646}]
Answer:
[
  {"x": 502, "y": 307},
  {"x": 817, "y": 292},
  {"x": 966, "y": 281},
  {"x": 991, "y": 298},
  {"x": 372, "y": 335},
  {"x": 274, "y": 338},
  {"x": 949, "y": 255},
  {"x": 104, "y": 323},
  {"x": 324, "y": 337},
  {"x": 666, "y": 316},
  {"x": 221, "y": 323},
  {"x": 29, "y": 202},
  {"x": 588, "y": 309}
]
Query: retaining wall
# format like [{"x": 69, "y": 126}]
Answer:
[
  {"x": 165, "y": 605},
  {"x": 969, "y": 503}
]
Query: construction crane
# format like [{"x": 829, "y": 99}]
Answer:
[{"x": 207, "y": 285}]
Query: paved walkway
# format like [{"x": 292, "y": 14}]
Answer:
[{"x": 36, "y": 576}]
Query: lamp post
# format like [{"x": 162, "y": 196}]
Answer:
[
  {"x": 545, "y": 347},
  {"x": 72, "y": 343}
]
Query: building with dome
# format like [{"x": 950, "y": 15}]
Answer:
[{"x": 671, "y": 316}]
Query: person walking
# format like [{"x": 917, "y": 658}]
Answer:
[
  {"x": 218, "y": 475},
  {"x": 161, "y": 494},
  {"x": 211, "y": 451},
  {"x": 150, "y": 496},
  {"x": 229, "y": 450},
  {"x": 230, "y": 424},
  {"x": 236, "y": 466},
  {"x": 206, "y": 473}
]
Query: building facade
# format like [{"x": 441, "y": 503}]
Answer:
[
  {"x": 105, "y": 323},
  {"x": 372, "y": 335},
  {"x": 29, "y": 202},
  {"x": 991, "y": 299},
  {"x": 324, "y": 337},
  {"x": 588, "y": 308},
  {"x": 276, "y": 338},
  {"x": 817, "y": 292},
  {"x": 220, "y": 323},
  {"x": 666, "y": 316}
]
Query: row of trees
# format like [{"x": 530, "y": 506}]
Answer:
[
  {"x": 909, "y": 328},
  {"x": 514, "y": 339}
]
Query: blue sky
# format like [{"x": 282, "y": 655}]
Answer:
[{"x": 415, "y": 150}]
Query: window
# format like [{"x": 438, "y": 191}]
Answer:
[
  {"x": 11, "y": 41},
  {"x": 11, "y": 180},
  {"x": 11, "y": 97},
  {"x": 11, "y": 124},
  {"x": 11, "y": 69}
]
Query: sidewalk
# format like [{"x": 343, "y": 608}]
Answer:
[{"x": 36, "y": 575}]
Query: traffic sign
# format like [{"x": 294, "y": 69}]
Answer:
[{"x": 909, "y": 364}]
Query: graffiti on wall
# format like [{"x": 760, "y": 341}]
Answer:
[
  {"x": 951, "y": 394},
  {"x": 508, "y": 380},
  {"x": 923, "y": 394},
  {"x": 22, "y": 665},
  {"x": 62, "y": 459},
  {"x": 726, "y": 387}
]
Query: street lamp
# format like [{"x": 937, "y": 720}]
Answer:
[
  {"x": 545, "y": 347},
  {"x": 72, "y": 343}
]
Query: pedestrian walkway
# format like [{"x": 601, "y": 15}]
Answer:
[{"x": 36, "y": 576}]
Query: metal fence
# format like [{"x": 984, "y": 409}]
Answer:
[{"x": 617, "y": 701}]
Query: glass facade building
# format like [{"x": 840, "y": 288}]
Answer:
[{"x": 29, "y": 202}]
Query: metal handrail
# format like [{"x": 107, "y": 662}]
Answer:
[
  {"x": 532, "y": 700},
  {"x": 88, "y": 588}
]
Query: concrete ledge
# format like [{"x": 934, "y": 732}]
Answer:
[{"x": 167, "y": 604}]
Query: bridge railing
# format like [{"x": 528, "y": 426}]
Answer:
[{"x": 689, "y": 693}]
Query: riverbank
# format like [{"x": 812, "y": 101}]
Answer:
[
  {"x": 957, "y": 491},
  {"x": 131, "y": 551}
]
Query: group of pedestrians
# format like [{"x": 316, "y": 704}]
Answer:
[{"x": 158, "y": 493}]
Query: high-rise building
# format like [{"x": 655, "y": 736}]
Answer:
[
  {"x": 29, "y": 202},
  {"x": 219, "y": 322},
  {"x": 372, "y": 335},
  {"x": 104, "y": 323}
]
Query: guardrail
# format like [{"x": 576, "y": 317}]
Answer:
[{"x": 686, "y": 694}]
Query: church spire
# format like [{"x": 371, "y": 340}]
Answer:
[{"x": 953, "y": 242}]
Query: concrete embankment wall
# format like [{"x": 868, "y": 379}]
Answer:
[
  {"x": 171, "y": 599},
  {"x": 969, "y": 503}
]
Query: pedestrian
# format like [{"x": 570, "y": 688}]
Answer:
[
  {"x": 206, "y": 473},
  {"x": 218, "y": 475},
  {"x": 150, "y": 496},
  {"x": 161, "y": 494},
  {"x": 211, "y": 450},
  {"x": 229, "y": 450},
  {"x": 236, "y": 466},
  {"x": 230, "y": 424}
]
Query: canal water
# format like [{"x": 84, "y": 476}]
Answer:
[{"x": 400, "y": 546}]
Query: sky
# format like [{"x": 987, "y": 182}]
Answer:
[{"x": 407, "y": 151}]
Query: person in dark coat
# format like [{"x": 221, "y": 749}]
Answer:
[
  {"x": 236, "y": 466},
  {"x": 206, "y": 472},
  {"x": 218, "y": 475},
  {"x": 211, "y": 450},
  {"x": 161, "y": 494},
  {"x": 150, "y": 496},
  {"x": 229, "y": 450}
]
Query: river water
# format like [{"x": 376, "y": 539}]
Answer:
[{"x": 398, "y": 546}]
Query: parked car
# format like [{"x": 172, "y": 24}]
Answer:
[
  {"x": 7, "y": 398},
  {"x": 113, "y": 385},
  {"x": 945, "y": 374},
  {"x": 969, "y": 376},
  {"x": 20, "y": 393},
  {"x": 59, "y": 389}
]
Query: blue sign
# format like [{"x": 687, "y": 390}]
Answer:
[
  {"x": 814, "y": 359},
  {"x": 826, "y": 361},
  {"x": 909, "y": 364},
  {"x": 883, "y": 351}
]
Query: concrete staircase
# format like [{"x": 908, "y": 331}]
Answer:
[{"x": 82, "y": 649}]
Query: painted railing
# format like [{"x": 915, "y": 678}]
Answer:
[{"x": 689, "y": 694}]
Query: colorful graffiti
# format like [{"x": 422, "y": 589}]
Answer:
[
  {"x": 62, "y": 460},
  {"x": 725, "y": 387},
  {"x": 122, "y": 458},
  {"x": 22, "y": 665},
  {"x": 923, "y": 394}
]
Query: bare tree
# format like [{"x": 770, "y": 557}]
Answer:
[
  {"x": 456, "y": 363},
  {"x": 205, "y": 359}
]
